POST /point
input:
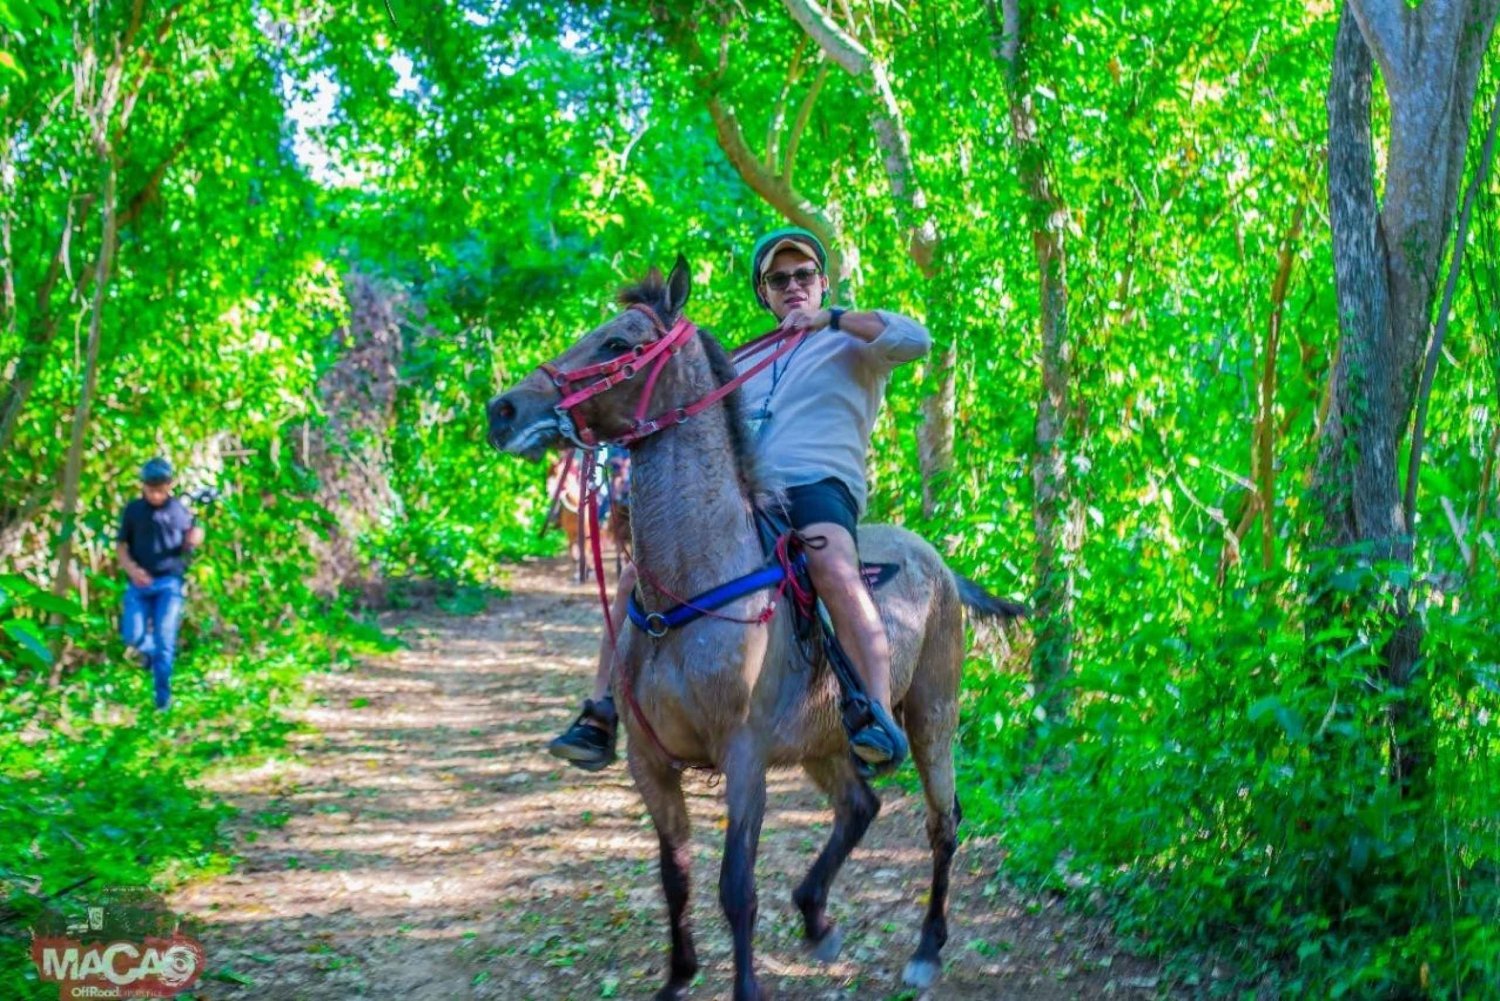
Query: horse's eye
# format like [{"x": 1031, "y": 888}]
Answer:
[{"x": 616, "y": 345}]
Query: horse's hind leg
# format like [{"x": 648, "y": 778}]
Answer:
[
  {"x": 855, "y": 805},
  {"x": 661, "y": 788},
  {"x": 930, "y": 708},
  {"x": 931, "y": 731}
]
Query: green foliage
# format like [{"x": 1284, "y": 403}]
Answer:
[
  {"x": 1249, "y": 814},
  {"x": 1220, "y": 782},
  {"x": 98, "y": 790},
  {"x": 34, "y": 623}
]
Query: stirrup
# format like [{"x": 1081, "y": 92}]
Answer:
[{"x": 879, "y": 746}]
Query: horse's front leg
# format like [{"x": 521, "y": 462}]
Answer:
[
  {"x": 745, "y": 790},
  {"x": 661, "y": 788}
]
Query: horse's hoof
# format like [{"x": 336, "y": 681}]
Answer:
[
  {"x": 921, "y": 973},
  {"x": 753, "y": 991},
  {"x": 827, "y": 948},
  {"x": 671, "y": 992}
]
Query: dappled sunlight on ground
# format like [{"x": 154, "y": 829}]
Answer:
[{"x": 423, "y": 845}]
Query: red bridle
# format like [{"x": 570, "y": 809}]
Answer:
[{"x": 656, "y": 353}]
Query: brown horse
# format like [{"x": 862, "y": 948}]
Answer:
[
  {"x": 741, "y": 697},
  {"x": 562, "y": 485}
]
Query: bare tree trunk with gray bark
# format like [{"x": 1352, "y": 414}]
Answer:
[
  {"x": 1056, "y": 515},
  {"x": 1387, "y": 254}
]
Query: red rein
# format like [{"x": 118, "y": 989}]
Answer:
[
  {"x": 601, "y": 378},
  {"x": 593, "y": 380}
]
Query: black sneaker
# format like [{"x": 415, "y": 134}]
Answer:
[
  {"x": 590, "y": 742},
  {"x": 879, "y": 745}
]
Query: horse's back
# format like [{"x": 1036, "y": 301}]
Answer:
[{"x": 920, "y": 609}]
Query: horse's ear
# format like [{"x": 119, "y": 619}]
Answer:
[{"x": 678, "y": 286}]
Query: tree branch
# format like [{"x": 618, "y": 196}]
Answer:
[
  {"x": 779, "y": 194},
  {"x": 1265, "y": 430},
  {"x": 842, "y": 47},
  {"x": 778, "y": 117},
  {"x": 16, "y": 513},
  {"x": 1435, "y": 349},
  {"x": 1382, "y": 23},
  {"x": 1464, "y": 58},
  {"x": 776, "y": 190},
  {"x": 1456, "y": 524},
  {"x": 1233, "y": 537},
  {"x": 1486, "y": 480},
  {"x": 801, "y": 124},
  {"x": 885, "y": 121},
  {"x": 137, "y": 14}
]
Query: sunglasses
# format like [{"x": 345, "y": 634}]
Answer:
[{"x": 780, "y": 281}]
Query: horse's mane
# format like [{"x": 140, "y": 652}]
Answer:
[
  {"x": 722, "y": 367},
  {"x": 651, "y": 292}
]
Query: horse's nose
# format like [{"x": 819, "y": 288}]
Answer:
[{"x": 502, "y": 414}]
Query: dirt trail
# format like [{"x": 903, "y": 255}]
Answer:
[{"x": 424, "y": 846}]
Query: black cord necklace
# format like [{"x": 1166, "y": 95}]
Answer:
[{"x": 779, "y": 368}]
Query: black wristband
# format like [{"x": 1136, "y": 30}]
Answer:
[{"x": 834, "y": 314}]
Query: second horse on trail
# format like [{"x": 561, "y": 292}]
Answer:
[
  {"x": 565, "y": 509},
  {"x": 739, "y": 696}
]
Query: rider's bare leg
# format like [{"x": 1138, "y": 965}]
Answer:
[{"x": 834, "y": 568}]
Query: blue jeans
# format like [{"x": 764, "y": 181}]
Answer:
[{"x": 152, "y": 614}]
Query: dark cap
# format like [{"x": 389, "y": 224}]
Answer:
[{"x": 158, "y": 470}]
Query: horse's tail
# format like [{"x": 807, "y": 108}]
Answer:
[{"x": 986, "y": 605}]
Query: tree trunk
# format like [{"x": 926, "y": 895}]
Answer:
[
  {"x": 73, "y": 465},
  {"x": 1264, "y": 462},
  {"x": 935, "y": 441},
  {"x": 1055, "y": 517},
  {"x": 1058, "y": 529},
  {"x": 935, "y": 438},
  {"x": 886, "y": 122},
  {"x": 1386, "y": 259},
  {"x": 350, "y": 451},
  {"x": 102, "y": 91}
]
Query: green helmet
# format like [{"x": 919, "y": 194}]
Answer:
[{"x": 766, "y": 247}]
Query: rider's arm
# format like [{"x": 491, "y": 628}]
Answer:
[
  {"x": 892, "y": 338},
  {"x": 896, "y": 338}
]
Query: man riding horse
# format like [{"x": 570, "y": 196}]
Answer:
[
  {"x": 812, "y": 413},
  {"x": 723, "y": 679}
]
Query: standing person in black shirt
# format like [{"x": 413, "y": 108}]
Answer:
[{"x": 156, "y": 535}]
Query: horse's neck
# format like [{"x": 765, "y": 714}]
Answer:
[{"x": 689, "y": 516}]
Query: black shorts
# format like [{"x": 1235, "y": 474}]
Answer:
[{"x": 827, "y": 500}]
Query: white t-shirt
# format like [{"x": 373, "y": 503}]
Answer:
[{"x": 812, "y": 411}]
